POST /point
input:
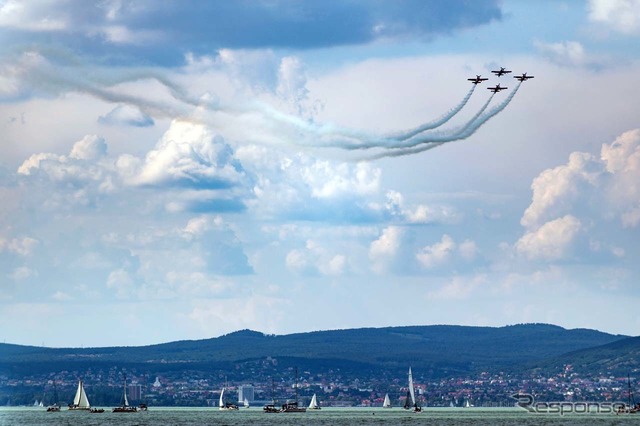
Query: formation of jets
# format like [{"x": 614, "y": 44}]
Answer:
[
  {"x": 502, "y": 71},
  {"x": 477, "y": 80},
  {"x": 497, "y": 88}
]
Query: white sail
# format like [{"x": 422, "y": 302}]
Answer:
[
  {"x": 387, "y": 402},
  {"x": 314, "y": 402},
  {"x": 411, "y": 391},
  {"x": 246, "y": 403},
  {"x": 81, "y": 400},
  {"x": 126, "y": 401},
  {"x": 221, "y": 403}
]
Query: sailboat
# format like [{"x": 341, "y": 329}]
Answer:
[
  {"x": 411, "y": 402},
  {"x": 293, "y": 407},
  {"x": 80, "y": 401},
  {"x": 54, "y": 407},
  {"x": 271, "y": 408},
  {"x": 222, "y": 405},
  {"x": 387, "y": 401},
  {"x": 245, "y": 403},
  {"x": 124, "y": 403},
  {"x": 313, "y": 405}
]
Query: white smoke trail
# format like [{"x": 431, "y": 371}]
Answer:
[
  {"x": 434, "y": 124},
  {"x": 464, "y": 134}
]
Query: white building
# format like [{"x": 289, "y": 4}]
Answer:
[{"x": 245, "y": 391}]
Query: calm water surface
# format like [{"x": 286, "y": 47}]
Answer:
[{"x": 337, "y": 416}]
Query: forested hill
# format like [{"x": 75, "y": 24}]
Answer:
[
  {"x": 434, "y": 348},
  {"x": 618, "y": 358}
]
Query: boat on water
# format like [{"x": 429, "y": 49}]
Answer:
[
  {"x": 54, "y": 408},
  {"x": 293, "y": 407},
  {"x": 411, "y": 403},
  {"x": 245, "y": 403},
  {"x": 271, "y": 408},
  {"x": 80, "y": 401},
  {"x": 313, "y": 405},
  {"x": 387, "y": 401},
  {"x": 631, "y": 407},
  {"x": 225, "y": 406},
  {"x": 124, "y": 402}
]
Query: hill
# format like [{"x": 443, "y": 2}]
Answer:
[
  {"x": 616, "y": 359},
  {"x": 437, "y": 350}
]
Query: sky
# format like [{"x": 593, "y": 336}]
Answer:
[{"x": 185, "y": 169}]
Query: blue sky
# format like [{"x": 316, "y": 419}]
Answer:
[{"x": 181, "y": 170}]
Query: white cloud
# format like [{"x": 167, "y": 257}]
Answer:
[
  {"x": 590, "y": 187},
  {"x": 438, "y": 253},
  {"x": 32, "y": 16},
  {"x": 22, "y": 273},
  {"x": 328, "y": 180},
  {"x": 190, "y": 154},
  {"x": 383, "y": 250},
  {"x": 551, "y": 241},
  {"x": 622, "y": 16},
  {"x": 315, "y": 259},
  {"x": 122, "y": 283},
  {"x": 468, "y": 250},
  {"x": 126, "y": 115},
  {"x": 458, "y": 288},
  {"x": 565, "y": 53},
  {"x": 556, "y": 190},
  {"x": 21, "y": 246}
]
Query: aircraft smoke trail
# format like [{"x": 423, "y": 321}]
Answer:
[
  {"x": 470, "y": 130},
  {"x": 437, "y": 138},
  {"x": 392, "y": 144},
  {"x": 400, "y": 136}
]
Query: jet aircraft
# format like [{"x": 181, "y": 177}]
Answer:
[
  {"x": 523, "y": 77},
  {"x": 501, "y": 72},
  {"x": 497, "y": 88},
  {"x": 477, "y": 80}
]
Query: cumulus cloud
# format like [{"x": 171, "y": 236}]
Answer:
[
  {"x": 314, "y": 259},
  {"x": 438, "y": 253},
  {"x": 458, "y": 288},
  {"x": 116, "y": 27},
  {"x": 419, "y": 214},
  {"x": 621, "y": 16},
  {"x": 20, "y": 246},
  {"x": 126, "y": 115},
  {"x": 565, "y": 53},
  {"x": 551, "y": 241},
  {"x": 382, "y": 251},
  {"x": 601, "y": 193}
]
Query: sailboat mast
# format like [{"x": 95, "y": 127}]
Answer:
[{"x": 296, "y": 385}]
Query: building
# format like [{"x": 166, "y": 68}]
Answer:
[
  {"x": 245, "y": 391},
  {"x": 135, "y": 392}
]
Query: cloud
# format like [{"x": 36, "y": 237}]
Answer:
[
  {"x": 551, "y": 241},
  {"x": 126, "y": 115},
  {"x": 20, "y": 246},
  {"x": 458, "y": 288},
  {"x": 315, "y": 259},
  {"x": 622, "y": 16},
  {"x": 565, "y": 53},
  {"x": 382, "y": 251},
  {"x": 190, "y": 155},
  {"x": 115, "y": 29},
  {"x": 438, "y": 253},
  {"x": 599, "y": 194}
]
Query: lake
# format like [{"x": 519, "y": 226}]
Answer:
[{"x": 33, "y": 416}]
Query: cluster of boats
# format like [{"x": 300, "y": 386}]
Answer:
[{"x": 81, "y": 403}]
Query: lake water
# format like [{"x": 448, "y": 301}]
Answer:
[{"x": 14, "y": 416}]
